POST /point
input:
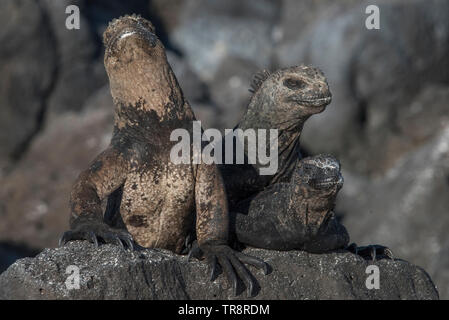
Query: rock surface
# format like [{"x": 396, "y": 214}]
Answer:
[{"x": 109, "y": 272}]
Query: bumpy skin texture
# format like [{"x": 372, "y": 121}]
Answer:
[
  {"x": 296, "y": 214},
  {"x": 150, "y": 199}
]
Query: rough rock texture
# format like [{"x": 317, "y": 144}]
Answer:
[
  {"x": 111, "y": 273},
  {"x": 9, "y": 253}
]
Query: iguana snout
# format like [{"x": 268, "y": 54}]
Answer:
[
  {"x": 127, "y": 29},
  {"x": 307, "y": 87}
]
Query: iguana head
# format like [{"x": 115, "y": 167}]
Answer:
[
  {"x": 317, "y": 181},
  {"x": 320, "y": 173},
  {"x": 137, "y": 66},
  {"x": 290, "y": 94}
]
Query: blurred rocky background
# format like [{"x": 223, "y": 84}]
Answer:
[{"x": 388, "y": 122}]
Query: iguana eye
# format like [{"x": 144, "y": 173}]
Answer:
[{"x": 294, "y": 83}]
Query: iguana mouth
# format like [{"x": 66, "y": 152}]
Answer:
[
  {"x": 328, "y": 182},
  {"x": 317, "y": 102},
  {"x": 137, "y": 30}
]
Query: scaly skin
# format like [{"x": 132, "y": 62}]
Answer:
[
  {"x": 153, "y": 198},
  {"x": 296, "y": 215}
]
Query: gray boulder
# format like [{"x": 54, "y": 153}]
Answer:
[{"x": 109, "y": 272}]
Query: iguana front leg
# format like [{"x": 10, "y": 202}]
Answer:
[
  {"x": 212, "y": 228},
  {"x": 105, "y": 174}
]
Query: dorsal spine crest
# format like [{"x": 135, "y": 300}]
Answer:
[{"x": 258, "y": 79}]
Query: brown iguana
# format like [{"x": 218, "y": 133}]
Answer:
[{"x": 158, "y": 202}]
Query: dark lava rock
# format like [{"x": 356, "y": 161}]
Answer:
[{"x": 109, "y": 272}]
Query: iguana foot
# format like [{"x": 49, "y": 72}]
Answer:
[
  {"x": 93, "y": 230},
  {"x": 231, "y": 262},
  {"x": 371, "y": 251}
]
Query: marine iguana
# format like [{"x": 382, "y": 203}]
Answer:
[
  {"x": 156, "y": 200},
  {"x": 296, "y": 215}
]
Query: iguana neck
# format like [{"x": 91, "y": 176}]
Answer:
[
  {"x": 262, "y": 114},
  {"x": 144, "y": 91},
  {"x": 312, "y": 206}
]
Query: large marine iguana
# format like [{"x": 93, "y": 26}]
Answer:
[{"x": 156, "y": 200}]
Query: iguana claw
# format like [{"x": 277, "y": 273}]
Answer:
[
  {"x": 373, "y": 251},
  {"x": 231, "y": 262},
  {"x": 93, "y": 231}
]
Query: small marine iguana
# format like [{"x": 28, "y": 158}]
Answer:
[
  {"x": 151, "y": 200},
  {"x": 296, "y": 215}
]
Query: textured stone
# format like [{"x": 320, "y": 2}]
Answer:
[{"x": 109, "y": 272}]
